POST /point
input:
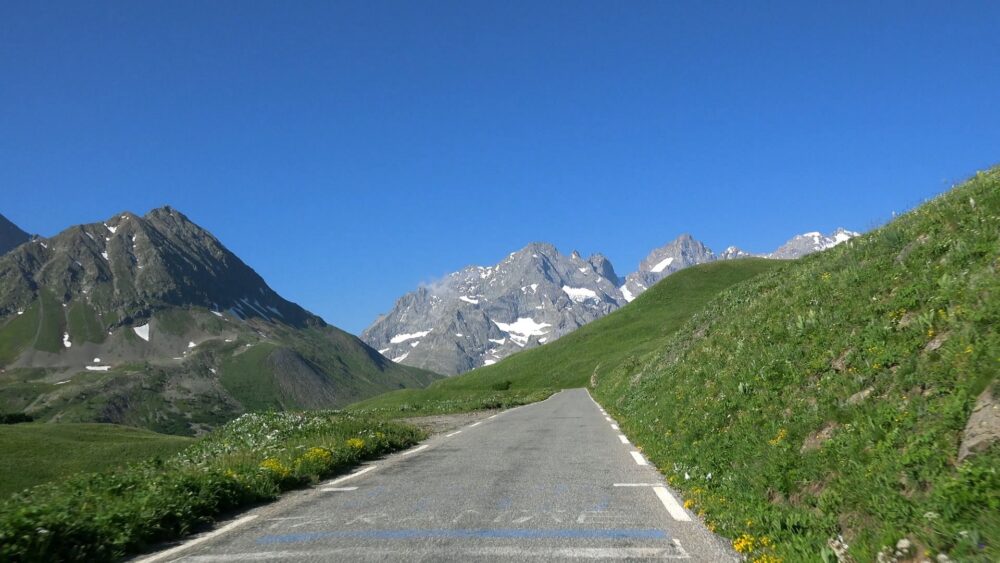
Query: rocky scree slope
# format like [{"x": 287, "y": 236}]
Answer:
[{"x": 151, "y": 321}]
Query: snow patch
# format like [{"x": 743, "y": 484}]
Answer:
[
  {"x": 218, "y": 314},
  {"x": 383, "y": 351},
  {"x": 97, "y": 360},
  {"x": 66, "y": 341},
  {"x": 662, "y": 265},
  {"x": 105, "y": 255},
  {"x": 212, "y": 370},
  {"x": 20, "y": 312},
  {"x": 579, "y": 294},
  {"x": 523, "y": 329},
  {"x": 98, "y": 368},
  {"x": 404, "y": 337},
  {"x": 191, "y": 344},
  {"x": 398, "y": 359},
  {"x": 499, "y": 341},
  {"x": 543, "y": 340},
  {"x": 489, "y": 362},
  {"x": 414, "y": 344},
  {"x": 627, "y": 294},
  {"x": 142, "y": 331},
  {"x": 110, "y": 228},
  {"x": 584, "y": 270},
  {"x": 469, "y": 300}
]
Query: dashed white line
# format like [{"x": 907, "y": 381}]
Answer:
[
  {"x": 608, "y": 418},
  {"x": 638, "y": 485},
  {"x": 671, "y": 504},
  {"x": 453, "y": 433},
  {"x": 614, "y": 427},
  {"x": 475, "y": 424},
  {"x": 492, "y": 417},
  {"x": 351, "y": 476},
  {"x": 415, "y": 450},
  {"x": 338, "y": 489},
  {"x": 638, "y": 458},
  {"x": 201, "y": 539},
  {"x": 623, "y": 439}
]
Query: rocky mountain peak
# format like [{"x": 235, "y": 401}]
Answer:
[
  {"x": 480, "y": 314},
  {"x": 135, "y": 265},
  {"x": 11, "y": 235}
]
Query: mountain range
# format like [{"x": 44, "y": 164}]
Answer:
[
  {"x": 152, "y": 321},
  {"x": 481, "y": 314}
]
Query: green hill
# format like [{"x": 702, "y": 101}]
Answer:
[
  {"x": 829, "y": 398},
  {"x": 593, "y": 351},
  {"x": 38, "y": 453},
  {"x": 819, "y": 406}
]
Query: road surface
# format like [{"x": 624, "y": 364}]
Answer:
[{"x": 550, "y": 481}]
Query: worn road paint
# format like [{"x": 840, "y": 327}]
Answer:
[
  {"x": 614, "y": 427},
  {"x": 503, "y": 552},
  {"x": 671, "y": 504},
  {"x": 201, "y": 539},
  {"x": 501, "y": 533},
  {"x": 637, "y": 485},
  {"x": 638, "y": 458},
  {"x": 338, "y": 489},
  {"x": 453, "y": 433},
  {"x": 415, "y": 450},
  {"x": 623, "y": 439},
  {"x": 351, "y": 476}
]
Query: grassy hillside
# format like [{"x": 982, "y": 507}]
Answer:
[
  {"x": 593, "y": 351},
  {"x": 106, "y": 515},
  {"x": 37, "y": 453},
  {"x": 168, "y": 386},
  {"x": 828, "y": 398}
]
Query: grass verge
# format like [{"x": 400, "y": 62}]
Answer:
[
  {"x": 825, "y": 403},
  {"x": 105, "y": 516}
]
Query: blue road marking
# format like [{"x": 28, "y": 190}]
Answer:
[{"x": 648, "y": 534}]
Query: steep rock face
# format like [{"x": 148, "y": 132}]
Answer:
[
  {"x": 682, "y": 252},
  {"x": 11, "y": 236},
  {"x": 478, "y": 315}
]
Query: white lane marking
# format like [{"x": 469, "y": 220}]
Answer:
[
  {"x": 638, "y": 458},
  {"x": 519, "y": 553},
  {"x": 475, "y": 424},
  {"x": 492, "y": 417},
  {"x": 200, "y": 539},
  {"x": 614, "y": 427},
  {"x": 608, "y": 418},
  {"x": 351, "y": 476},
  {"x": 623, "y": 439},
  {"x": 671, "y": 504},
  {"x": 453, "y": 433},
  {"x": 338, "y": 489},
  {"x": 415, "y": 450},
  {"x": 638, "y": 485}
]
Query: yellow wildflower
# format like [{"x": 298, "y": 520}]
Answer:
[{"x": 356, "y": 443}]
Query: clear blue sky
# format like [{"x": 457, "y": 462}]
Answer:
[{"x": 350, "y": 151}]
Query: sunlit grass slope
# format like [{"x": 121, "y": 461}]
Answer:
[
  {"x": 38, "y": 452},
  {"x": 593, "y": 351},
  {"x": 829, "y": 398}
]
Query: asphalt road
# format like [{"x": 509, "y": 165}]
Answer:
[{"x": 549, "y": 481}]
